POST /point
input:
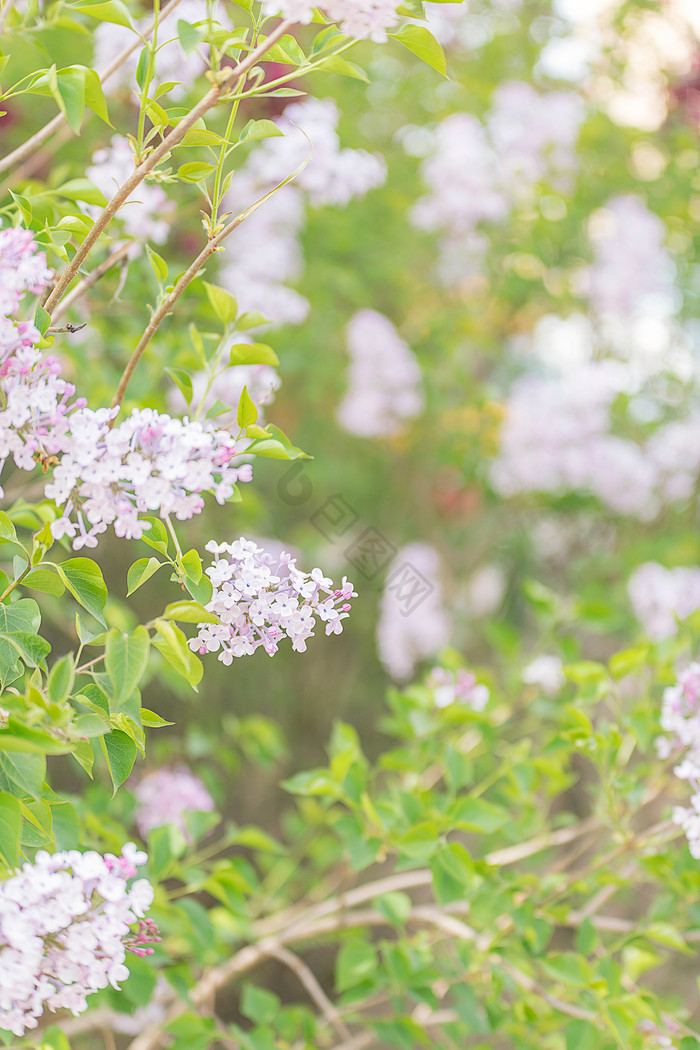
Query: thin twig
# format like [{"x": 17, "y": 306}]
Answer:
[
  {"x": 40, "y": 137},
  {"x": 211, "y": 99},
  {"x": 87, "y": 282},
  {"x": 308, "y": 979}
]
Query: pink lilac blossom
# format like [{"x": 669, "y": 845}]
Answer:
[
  {"x": 413, "y": 623},
  {"x": 37, "y": 409},
  {"x": 632, "y": 272},
  {"x": 22, "y": 268},
  {"x": 450, "y": 687},
  {"x": 147, "y": 214},
  {"x": 148, "y": 464},
  {"x": 660, "y": 597},
  {"x": 166, "y": 796},
  {"x": 546, "y": 672},
  {"x": 66, "y": 923},
  {"x": 258, "y": 600},
  {"x": 363, "y": 19},
  {"x": 384, "y": 379}
]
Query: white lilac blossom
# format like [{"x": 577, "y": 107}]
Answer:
[
  {"x": 680, "y": 719},
  {"x": 660, "y": 597},
  {"x": 450, "y": 687},
  {"x": 166, "y": 796},
  {"x": 147, "y": 213},
  {"x": 259, "y": 600},
  {"x": 632, "y": 272},
  {"x": 148, "y": 464},
  {"x": 546, "y": 672},
  {"x": 357, "y": 18},
  {"x": 66, "y": 923},
  {"x": 268, "y": 255},
  {"x": 333, "y": 175},
  {"x": 413, "y": 623},
  {"x": 384, "y": 379}
]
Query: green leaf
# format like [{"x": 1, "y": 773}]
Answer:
[
  {"x": 276, "y": 446},
  {"x": 183, "y": 382},
  {"x": 340, "y": 66},
  {"x": 171, "y": 642},
  {"x": 24, "y": 772},
  {"x": 107, "y": 11},
  {"x": 94, "y": 96},
  {"x": 422, "y": 43},
  {"x": 140, "y": 572},
  {"x": 32, "y": 649},
  {"x": 191, "y": 563},
  {"x": 224, "y": 305},
  {"x": 42, "y": 320},
  {"x": 153, "y": 721},
  {"x": 259, "y": 1005},
  {"x": 157, "y": 535},
  {"x": 84, "y": 580},
  {"x": 126, "y": 660},
  {"x": 195, "y": 171},
  {"x": 247, "y": 412},
  {"x": 190, "y": 37},
  {"x": 189, "y": 612},
  {"x": 71, "y": 92},
  {"x": 120, "y": 752},
  {"x": 61, "y": 679},
  {"x": 10, "y": 830},
  {"x": 255, "y": 354},
  {"x": 259, "y": 129},
  {"x": 82, "y": 190},
  {"x": 158, "y": 264},
  {"x": 396, "y": 906},
  {"x": 476, "y": 814},
  {"x": 356, "y": 961},
  {"x": 44, "y": 580}
]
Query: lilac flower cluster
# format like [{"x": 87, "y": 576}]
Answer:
[
  {"x": 477, "y": 172},
  {"x": 148, "y": 464},
  {"x": 546, "y": 672},
  {"x": 22, "y": 268},
  {"x": 680, "y": 718},
  {"x": 165, "y": 796},
  {"x": 385, "y": 379},
  {"x": 451, "y": 687},
  {"x": 66, "y": 923},
  {"x": 556, "y": 437},
  {"x": 362, "y": 19},
  {"x": 632, "y": 271},
  {"x": 413, "y": 623},
  {"x": 661, "y": 597},
  {"x": 258, "y": 601},
  {"x": 268, "y": 254}
]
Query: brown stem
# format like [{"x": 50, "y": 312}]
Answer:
[
  {"x": 211, "y": 98},
  {"x": 32, "y": 144}
]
